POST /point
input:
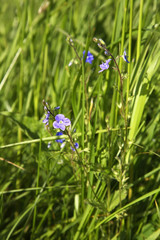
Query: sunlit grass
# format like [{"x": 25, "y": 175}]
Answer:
[{"x": 109, "y": 188}]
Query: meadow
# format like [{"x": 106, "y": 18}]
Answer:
[{"x": 80, "y": 120}]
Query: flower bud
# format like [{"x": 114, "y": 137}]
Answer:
[{"x": 95, "y": 40}]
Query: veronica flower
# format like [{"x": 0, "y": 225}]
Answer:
[
  {"x": 59, "y": 140},
  {"x": 125, "y": 57},
  {"x": 46, "y": 120},
  {"x": 89, "y": 57},
  {"x": 105, "y": 66},
  {"x": 76, "y": 146},
  {"x": 61, "y": 122}
]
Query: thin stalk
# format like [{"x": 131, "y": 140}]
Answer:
[
  {"x": 139, "y": 30},
  {"x": 37, "y": 192},
  {"x": 72, "y": 142},
  {"x": 71, "y": 43},
  {"x": 14, "y": 61},
  {"x": 128, "y": 81},
  {"x": 82, "y": 138},
  {"x": 92, "y": 141},
  {"x": 127, "y": 96},
  {"x": 129, "y": 53},
  {"x": 122, "y": 158},
  {"x": 101, "y": 44},
  {"x": 20, "y": 96},
  {"x": 115, "y": 35}
]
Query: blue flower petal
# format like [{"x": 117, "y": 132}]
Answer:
[{"x": 89, "y": 57}]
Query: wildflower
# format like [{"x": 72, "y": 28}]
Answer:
[
  {"x": 76, "y": 146},
  {"x": 46, "y": 120},
  {"x": 125, "y": 57},
  {"x": 61, "y": 122},
  {"x": 59, "y": 140},
  {"x": 89, "y": 57},
  {"x": 105, "y": 66}
]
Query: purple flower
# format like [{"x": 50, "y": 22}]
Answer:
[
  {"x": 46, "y": 120},
  {"x": 61, "y": 122},
  {"x": 105, "y": 66},
  {"x": 76, "y": 146},
  {"x": 125, "y": 57},
  {"x": 89, "y": 57},
  {"x": 59, "y": 140}
]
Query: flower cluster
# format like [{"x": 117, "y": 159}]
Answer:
[
  {"x": 89, "y": 58},
  {"x": 101, "y": 44},
  {"x": 59, "y": 120},
  {"x": 105, "y": 66},
  {"x": 61, "y": 123}
]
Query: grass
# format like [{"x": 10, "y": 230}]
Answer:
[{"x": 109, "y": 187}]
